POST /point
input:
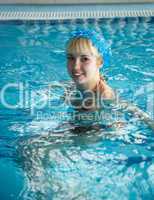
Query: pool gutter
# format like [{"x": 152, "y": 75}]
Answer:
[{"x": 54, "y": 12}]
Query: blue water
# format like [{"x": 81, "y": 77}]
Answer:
[{"x": 47, "y": 154}]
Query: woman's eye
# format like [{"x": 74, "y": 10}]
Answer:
[
  {"x": 84, "y": 59},
  {"x": 70, "y": 58}
]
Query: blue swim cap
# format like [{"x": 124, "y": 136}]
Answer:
[{"x": 97, "y": 40}]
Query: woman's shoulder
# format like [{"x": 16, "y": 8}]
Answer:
[{"x": 106, "y": 91}]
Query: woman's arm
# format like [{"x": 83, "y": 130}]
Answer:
[{"x": 136, "y": 111}]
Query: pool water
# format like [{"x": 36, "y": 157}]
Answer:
[{"x": 47, "y": 153}]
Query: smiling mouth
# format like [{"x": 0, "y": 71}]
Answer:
[{"x": 77, "y": 76}]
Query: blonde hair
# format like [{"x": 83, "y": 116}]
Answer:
[{"x": 83, "y": 44}]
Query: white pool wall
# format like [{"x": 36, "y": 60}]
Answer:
[
  {"x": 20, "y": 11},
  {"x": 72, "y": 1}
]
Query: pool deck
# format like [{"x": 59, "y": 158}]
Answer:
[{"x": 73, "y": 11}]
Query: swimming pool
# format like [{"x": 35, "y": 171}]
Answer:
[{"x": 46, "y": 153}]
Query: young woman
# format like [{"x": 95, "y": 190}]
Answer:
[{"x": 87, "y": 52}]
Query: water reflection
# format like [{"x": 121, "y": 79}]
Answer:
[{"x": 76, "y": 161}]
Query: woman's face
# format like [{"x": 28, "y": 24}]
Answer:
[{"x": 82, "y": 66}]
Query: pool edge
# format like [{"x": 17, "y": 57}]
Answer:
[{"x": 54, "y": 12}]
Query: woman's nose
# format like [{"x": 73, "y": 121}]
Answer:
[{"x": 77, "y": 63}]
